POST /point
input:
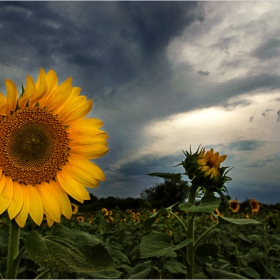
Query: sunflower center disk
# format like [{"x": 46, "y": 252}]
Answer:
[{"x": 33, "y": 146}]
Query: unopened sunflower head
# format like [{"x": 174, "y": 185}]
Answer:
[
  {"x": 203, "y": 168},
  {"x": 46, "y": 145}
]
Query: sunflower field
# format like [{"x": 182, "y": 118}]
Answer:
[
  {"x": 47, "y": 144},
  {"x": 134, "y": 245}
]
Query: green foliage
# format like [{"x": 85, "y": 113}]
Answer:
[
  {"x": 166, "y": 193},
  {"x": 69, "y": 251}
]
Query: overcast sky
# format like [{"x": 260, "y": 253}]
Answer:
[{"x": 163, "y": 76}]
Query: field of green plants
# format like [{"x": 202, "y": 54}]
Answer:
[{"x": 149, "y": 243}]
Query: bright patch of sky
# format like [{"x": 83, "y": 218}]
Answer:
[{"x": 217, "y": 125}]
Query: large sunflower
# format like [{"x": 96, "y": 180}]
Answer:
[
  {"x": 209, "y": 162},
  {"x": 45, "y": 149}
]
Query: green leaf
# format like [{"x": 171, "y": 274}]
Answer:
[
  {"x": 170, "y": 176},
  {"x": 156, "y": 245},
  {"x": 140, "y": 271},
  {"x": 77, "y": 252},
  {"x": 185, "y": 206},
  {"x": 183, "y": 244},
  {"x": 149, "y": 221},
  {"x": 174, "y": 266},
  {"x": 207, "y": 249},
  {"x": 159, "y": 244},
  {"x": 251, "y": 272},
  {"x": 253, "y": 254},
  {"x": 221, "y": 274},
  {"x": 169, "y": 209},
  {"x": 224, "y": 220},
  {"x": 108, "y": 274},
  {"x": 207, "y": 204},
  {"x": 273, "y": 271}
]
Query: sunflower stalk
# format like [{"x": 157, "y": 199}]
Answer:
[
  {"x": 190, "y": 235},
  {"x": 13, "y": 251}
]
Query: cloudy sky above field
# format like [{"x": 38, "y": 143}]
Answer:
[{"x": 163, "y": 76}]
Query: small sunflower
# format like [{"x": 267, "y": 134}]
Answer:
[
  {"x": 74, "y": 208},
  {"x": 209, "y": 162},
  {"x": 80, "y": 219},
  {"x": 255, "y": 207},
  {"x": 217, "y": 212},
  {"x": 105, "y": 211},
  {"x": 128, "y": 211},
  {"x": 213, "y": 219},
  {"x": 234, "y": 205},
  {"x": 45, "y": 149}
]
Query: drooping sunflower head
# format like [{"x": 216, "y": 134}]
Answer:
[
  {"x": 255, "y": 207},
  {"x": 46, "y": 145},
  {"x": 234, "y": 205}
]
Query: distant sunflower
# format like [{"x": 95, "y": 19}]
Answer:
[
  {"x": 74, "y": 208},
  {"x": 209, "y": 162},
  {"x": 234, "y": 205},
  {"x": 255, "y": 207},
  {"x": 105, "y": 211},
  {"x": 45, "y": 149},
  {"x": 80, "y": 219}
]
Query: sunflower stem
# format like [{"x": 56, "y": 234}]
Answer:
[
  {"x": 190, "y": 234},
  {"x": 12, "y": 264}
]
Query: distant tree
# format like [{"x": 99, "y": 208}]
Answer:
[{"x": 165, "y": 194}]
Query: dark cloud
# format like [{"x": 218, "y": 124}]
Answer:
[
  {"x": 110, "y": 42},
  {"x": 268, "y": 50},
  {"x": 246, "y": 145},
  {"x": 203, "y": 73},
  {"x": 156, "y": 23}
]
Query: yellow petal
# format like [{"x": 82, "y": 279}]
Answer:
[
  {"x": 41, "y": 88},
  {"x": 2, "y": 183},
  {"x": 70, "y": 185},
  {"x": 81, "y": 176},
  {"x": 70, "y": 102},
  {"x": 3, "y": 108},
  {"x": 63, "y": 197},
  {"x": 12, "y": 95},
  {"x": 51, "y": 203},
  {"x": 6, "y": 195},
  {"x": 28, "y": 92},
  {"x": 222, "y": 158},
  {"x": 79, "y": 111},
  {"x": 89, "y": 152},
  {"x": 88, "y": 167},
  {"x": 36, "y": 206},
  {"x": 59, "y": 95},
  {"x": 49, "y": 221},
  {"x": 52, "y": 81},
  {"x": 17, "y": 201},
  {"x": 23, "y": 214},
  {"x": 87, "y": 127},
  {"x": 2, "y": 101}
]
